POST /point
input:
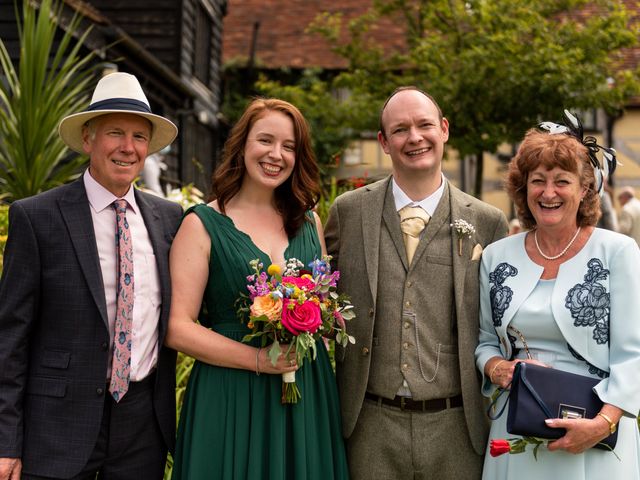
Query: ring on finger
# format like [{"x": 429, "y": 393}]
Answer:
[{"x": 292, "y": 362}]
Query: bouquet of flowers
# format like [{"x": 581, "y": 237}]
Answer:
[{"x": 295, "y": 307}]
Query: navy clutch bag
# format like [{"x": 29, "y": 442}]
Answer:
[{"x": 538, "y": 393}]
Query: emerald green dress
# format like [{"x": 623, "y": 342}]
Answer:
[{"x": 232, "y": 424}]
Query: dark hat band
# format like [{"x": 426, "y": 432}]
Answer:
[{"x": 120, "y": 104}]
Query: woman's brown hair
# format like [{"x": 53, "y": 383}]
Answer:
[
  {"x": 557, "y": 150},
  {"x": 299, "y": 193}
]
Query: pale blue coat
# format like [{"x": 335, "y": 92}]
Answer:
[{"x": 595, "y": 303}]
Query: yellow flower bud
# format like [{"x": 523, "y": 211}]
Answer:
[{"x": 273, "y": 269}]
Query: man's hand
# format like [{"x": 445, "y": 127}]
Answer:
[{"x": 10, "y": 468}]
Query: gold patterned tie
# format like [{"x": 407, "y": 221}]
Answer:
[{"x": 412, "y": 223}]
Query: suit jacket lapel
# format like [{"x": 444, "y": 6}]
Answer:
[
  {"x": 152, "y": 221},
  {"x": 75, "y": 210},
  {"x": 392, "y": 221},
  {"x": 155, "y": 229},
  {"x": 460, "y": 209},
  {"x": 372, "y": 205}
]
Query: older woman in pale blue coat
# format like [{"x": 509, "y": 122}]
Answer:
[{"x": 566, "y": 295}]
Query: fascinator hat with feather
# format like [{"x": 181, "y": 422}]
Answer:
[
  {"x": 118, "y": 92},
  {"x": 573, "y": 126}
]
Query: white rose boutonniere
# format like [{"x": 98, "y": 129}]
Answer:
[{"x": 462, "y": 229}]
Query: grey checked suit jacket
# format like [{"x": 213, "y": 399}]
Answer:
[
  {"x": 54, "y": 339},
  {"x": 353, "y": 239}
]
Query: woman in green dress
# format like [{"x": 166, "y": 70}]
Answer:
[{"x": 233, "y": 424}]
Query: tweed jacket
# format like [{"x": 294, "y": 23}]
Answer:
[
  {"x": 54, "y": 337},
  {"x": 595, "y": 304},
  {"x": 353, "y": 239}
]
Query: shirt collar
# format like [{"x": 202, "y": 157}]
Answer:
[
  {"x": 428, "y": 204},
  {"x": 101, "y": 198}
]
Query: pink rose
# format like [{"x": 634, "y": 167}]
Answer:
[
  {"x": 300, "y": 282},
  {"x": 298, "y": 318}
]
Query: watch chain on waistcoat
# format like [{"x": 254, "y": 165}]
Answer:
[{"x": 424, "y": 377}]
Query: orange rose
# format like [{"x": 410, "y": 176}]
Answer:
[{"x": 268, "y": 306}]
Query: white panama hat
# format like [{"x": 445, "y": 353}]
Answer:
[{"x": 118, "y": 93}]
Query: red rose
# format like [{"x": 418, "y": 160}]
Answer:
[
  {"x": 498, "y": 447},
  {"x": 298, "y": 318}
]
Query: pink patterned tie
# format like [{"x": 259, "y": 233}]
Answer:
[{"x": 121, "y": 364}]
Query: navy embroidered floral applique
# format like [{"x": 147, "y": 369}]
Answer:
[
  {"x": 500, "y": 295},
  {"x": 589, "y": 302},
  {"x": 592, "y": 368},
  {"x": 514, "y": 351}
]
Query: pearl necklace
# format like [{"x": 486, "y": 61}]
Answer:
[{"x": 535, "y": 238}]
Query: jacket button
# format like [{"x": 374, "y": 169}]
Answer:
[
  {"x": 100, "y": 391},
  {"x": 104, "y": 345},
  {"x": 371, "y": 312},
  {"x": 365, "y": 351}
]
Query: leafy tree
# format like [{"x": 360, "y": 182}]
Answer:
[
  {"x": 51, "y": 82},
  {"x": 496, "y": 66}
]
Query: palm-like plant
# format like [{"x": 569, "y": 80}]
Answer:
[{"x": 50, "y": 83}]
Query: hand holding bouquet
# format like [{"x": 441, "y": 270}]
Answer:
[{"x": 296, "y": 307}]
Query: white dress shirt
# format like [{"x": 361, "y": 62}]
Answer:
[{"x": 428, "y": 204}]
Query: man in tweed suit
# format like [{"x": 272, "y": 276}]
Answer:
[
  {"x": 409, "y": 390},
  {"x": 58, "y": 417}
]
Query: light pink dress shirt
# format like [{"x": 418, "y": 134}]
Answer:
[{"x": 147, "y": 299}]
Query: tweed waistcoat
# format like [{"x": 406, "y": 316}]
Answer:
[{"x": 414, "y": 336}]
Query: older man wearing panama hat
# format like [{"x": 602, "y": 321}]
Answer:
[{"x": 86, "y": 386}]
